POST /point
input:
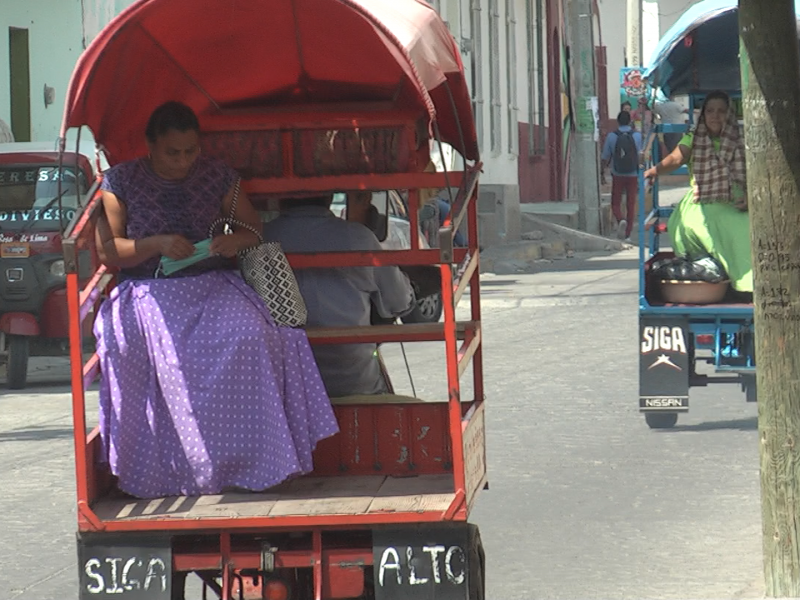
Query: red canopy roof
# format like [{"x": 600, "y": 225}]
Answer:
[{"x": 217, "y": 54}]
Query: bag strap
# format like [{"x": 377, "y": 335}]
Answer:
[
  {"x": 236, "y": 189},
  {"x": 620, "y": 134},
  {"x": 231, "y": 220}
]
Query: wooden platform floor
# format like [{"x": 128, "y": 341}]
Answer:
[{"x": 311, "y": 496}]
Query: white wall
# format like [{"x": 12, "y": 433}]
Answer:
[
  {"x": 524, "y": 38},
  {"x": 58, "y": 33},
  {"x": 613, "y": 15},
  {"x": 55, "y": 43},
  {"x": 500, "y": 165},
  {"x": 651, "y": 29},
  {"x": 670, "y": 11},
  {"x": 97, "y": 14}
]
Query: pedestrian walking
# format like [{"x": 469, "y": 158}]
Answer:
[{"x": 621, "y": 151}]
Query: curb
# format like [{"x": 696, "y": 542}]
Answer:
[
  {"x": 574, "y": 239},
  {"x": 550, "y": 242},
  {"x": 566, "y": 301},
  {"x": 517, "y": 256}
]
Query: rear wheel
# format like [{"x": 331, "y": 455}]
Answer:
[
  {"x": 749, "y": 387},
  {"x": 17, "y": 365},
  {"x": 477, "y": 565},
  {"x": 427, "y": 310},
  {"x": 658, "y": 420}
]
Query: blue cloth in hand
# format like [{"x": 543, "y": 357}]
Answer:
[{"x": 168, "y": 266}]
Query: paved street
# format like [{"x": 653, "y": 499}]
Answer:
[{"x": 585, "y": 500}]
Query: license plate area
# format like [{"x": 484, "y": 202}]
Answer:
[
  {"x": 661, "y": 403},
  {"x": 423, "y": 562},
  {"x": 15, "y": 250},
  {"x": 125, "y": 567},
  {"x": 665, "y": 363}
]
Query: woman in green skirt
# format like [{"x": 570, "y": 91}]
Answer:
[{"x": 712, "y": 218}]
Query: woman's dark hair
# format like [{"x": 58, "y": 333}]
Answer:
[
  {"x": 715, "y": 95},
  {"x": 171, "y": 115},
  {"x": 323, "y": 200}
]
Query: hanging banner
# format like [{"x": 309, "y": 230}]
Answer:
[{"x": 634, "y": 91}]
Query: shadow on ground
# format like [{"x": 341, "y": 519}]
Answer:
[
  {"x": 748, "y": 424},
  {"x": 575, "y": 265},
  {"x": 55, "y": 386},
  {"x": 36, "y": 434}
]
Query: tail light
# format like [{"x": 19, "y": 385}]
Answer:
[
  {"x": 256, "y": 588},
  {"x": 276, "y": 589},
  {"x": 705, "y": 339}
]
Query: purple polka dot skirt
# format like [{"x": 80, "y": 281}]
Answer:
[{"x": 201, "y": 391}]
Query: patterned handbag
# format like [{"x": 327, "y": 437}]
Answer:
[{"x": 265, "y": 268}]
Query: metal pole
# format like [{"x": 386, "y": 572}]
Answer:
[{"x": 584, "y": 160}]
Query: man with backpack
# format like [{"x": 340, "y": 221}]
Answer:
[{"x": 621, "y": 150}]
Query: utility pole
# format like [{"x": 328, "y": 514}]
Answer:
[
  {"x": 771, "y": 94},
  {"x": 584, "y": 166},
  {"x": 633, "y": 37}
]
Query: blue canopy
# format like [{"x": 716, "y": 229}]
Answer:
[{"x": 700, "y": 52}]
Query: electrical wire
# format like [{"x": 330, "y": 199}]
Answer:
[{"x": 680, "y": 11}]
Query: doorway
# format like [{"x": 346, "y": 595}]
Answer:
[{"x": 19, "y": 68}]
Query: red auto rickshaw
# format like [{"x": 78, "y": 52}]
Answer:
[
  {"x": 385, "y": 513},
  {"x": 40, "y": 193}
]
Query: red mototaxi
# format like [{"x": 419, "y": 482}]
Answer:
[
  {"x": 299, "y": 96},
  {"x": 33, "y": 303}
]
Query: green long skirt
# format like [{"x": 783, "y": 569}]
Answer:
[{"x": 719, "y": 230}]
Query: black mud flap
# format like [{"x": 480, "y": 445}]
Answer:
[
  {"x": 664, "y": 364},
  {"x": 428, "y": 562},
  {"x": 127, "y": 567}
]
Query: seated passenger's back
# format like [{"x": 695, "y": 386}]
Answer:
[{"x": 341, "y": 297}]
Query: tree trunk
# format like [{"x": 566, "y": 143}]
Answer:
[{"x": 771, "y": 95}]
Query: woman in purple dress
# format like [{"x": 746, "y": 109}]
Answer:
[{"x": 200, "y": 390}]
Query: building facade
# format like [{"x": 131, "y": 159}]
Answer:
[
  {"x": 657, "y": 18},
  {"x": 40, "y": 41},
  {"x": 517, "y": 57},
  {"x": 515, "y": 52}
]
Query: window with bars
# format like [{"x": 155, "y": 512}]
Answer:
[
  {"x": 496, "y": 108},
  {"x": 476, "y": 58},
  {"x": 534, "y": 23},
  {"x": 511, "y": 78}
]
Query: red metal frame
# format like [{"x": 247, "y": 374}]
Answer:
[{"x": 91, "y": 481}]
